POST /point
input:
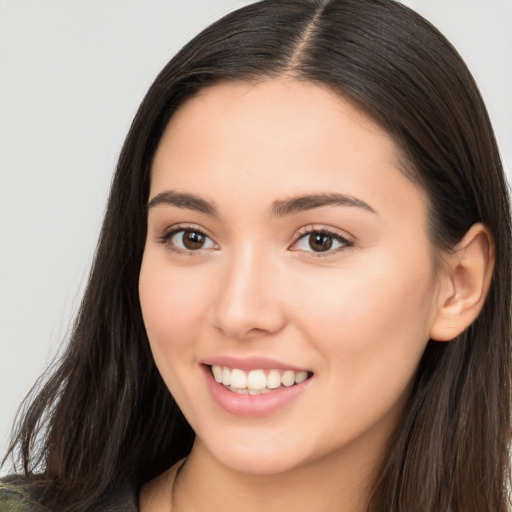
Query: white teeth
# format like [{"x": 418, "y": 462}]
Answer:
[
  {"x": 256, "y": 379},
  {"x": 226, "y": 376},
  {"x": 300, "y": 377},
  {"x": 273, "y": 379},
  {"x": 249, "y": 391},
  {"x": 288, "y": 378},
  {"x": 239, "y": 391},
  {"x": 217, "y": 373},
  {"x": 238, "y": 378},
  {"x": 256, "y": 382}
]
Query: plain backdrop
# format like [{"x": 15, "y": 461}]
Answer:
[{"x": 72, "y": 74}]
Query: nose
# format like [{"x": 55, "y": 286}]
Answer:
[{"x": 248, "y": 303}]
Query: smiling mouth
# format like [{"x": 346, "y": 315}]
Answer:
[{"x": 257, "y": 382}]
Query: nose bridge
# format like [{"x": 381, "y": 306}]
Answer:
[{"x": 247, "y": 303}]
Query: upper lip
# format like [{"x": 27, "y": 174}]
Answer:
[{"x": 250, "y": 363}]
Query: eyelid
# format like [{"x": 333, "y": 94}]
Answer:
[
  {"x": 322, "y": 229},
  {"x": 174, "y": 228},
  {"x": 170, "y": 231}
]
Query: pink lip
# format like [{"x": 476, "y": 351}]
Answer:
[
  {"x": 252, "y": 406},
  {"x": 250, "y": 363}
]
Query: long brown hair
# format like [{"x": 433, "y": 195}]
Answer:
[{"x": 104, "y": 415}]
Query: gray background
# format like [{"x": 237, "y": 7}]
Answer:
[{"x": 72, "y": 74}]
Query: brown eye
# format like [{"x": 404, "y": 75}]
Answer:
[
  {"x": 320, "y": 242},
  {"x": 193, "y": 240},
  {"x": 190, "y": 240}
]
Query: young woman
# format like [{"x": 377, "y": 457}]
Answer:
[{"x": 301, "y": 294}]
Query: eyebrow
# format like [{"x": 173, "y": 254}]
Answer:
[
  {"x": 182, "y": 200},
  {"x": 308, "y": 202},
  {"x": 279, "y": 208}
]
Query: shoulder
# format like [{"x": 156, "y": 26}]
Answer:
[
  {"x": 13, "y": 498},
  {"x": 121, "y": 497}
]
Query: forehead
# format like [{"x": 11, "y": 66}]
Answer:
[
  {"x": 272, "y": 106},
  {"x": 283, "y": 137}
]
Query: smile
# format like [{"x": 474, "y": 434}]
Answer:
[{"x": 256, "y": 382}]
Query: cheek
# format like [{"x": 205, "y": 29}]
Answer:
[
  {"x": 173, "y": 307},
  {"x": 371, "y": 325},
  {"x": 371, "y": 332},
  {"x": 381, "y": 298}
]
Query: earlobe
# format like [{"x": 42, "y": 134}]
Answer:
[{"x": 465, "y": 283}]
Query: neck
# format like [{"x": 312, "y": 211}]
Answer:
[{"x": 338, "y": 482}]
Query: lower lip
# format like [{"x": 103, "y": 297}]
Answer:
[{"x": 252, "y": 405}]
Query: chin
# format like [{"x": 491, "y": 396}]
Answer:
[
  {"x": 258, "y": 463},
  {"x": 257, "y": 454}
]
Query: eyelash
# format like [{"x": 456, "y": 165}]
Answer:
[
  {"x": 303, "y": 234},
  {"x": 168, "y": 235},
  {"x": 312, "y": 230}
]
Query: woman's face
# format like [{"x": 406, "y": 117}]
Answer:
[{"x": 284, "y": 244}]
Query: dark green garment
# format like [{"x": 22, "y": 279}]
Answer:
[
  {"x": 121, "y": 498},
  {"x": 13, "y": 499}
]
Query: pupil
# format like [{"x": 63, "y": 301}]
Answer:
[
  {"x": 320, "y": 242},
  {"x": 193, "y": 240}
]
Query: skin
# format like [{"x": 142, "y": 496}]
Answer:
[{"x": 357, "y": 316}]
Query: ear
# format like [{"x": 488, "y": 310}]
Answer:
[{"x": 464, "y": 283}]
